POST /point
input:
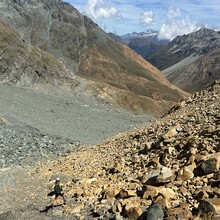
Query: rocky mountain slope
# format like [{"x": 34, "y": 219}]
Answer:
[
  {"x": 190, "y": 61},
  {"x": 167, "y": 170},
  {"x": 34, "y": 121},
  {"x": 55, "y": 44},
  {"x": 25, "y": 64},
  {"x": 173, "y": 162}
]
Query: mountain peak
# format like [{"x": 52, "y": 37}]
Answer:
[
  {"x": 203, "y": 34},
  {"x": 144, "y": 34}
]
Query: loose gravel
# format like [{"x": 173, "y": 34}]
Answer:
[{"x": 44, "y": 123}]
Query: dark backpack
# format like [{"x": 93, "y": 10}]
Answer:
[{"x": 58, "y": 189}]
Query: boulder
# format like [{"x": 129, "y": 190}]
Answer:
[
  {"x": 110, "y": 193},
  {"x": 179, "y": 213},
  {"x": 212, "y": 164},
  {"x": 155, "y": 212},
  {"x": 166, "y": 175},
  {"x": 134, "y": 213},
  {"x": 171, "y": 133},
  {"x": 185, "y": 173},
  {"x": 210, "y": 205}
]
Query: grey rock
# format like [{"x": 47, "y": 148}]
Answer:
[
  {"x": 155, "y": 212},
  {"x": 210, "y": 166}
]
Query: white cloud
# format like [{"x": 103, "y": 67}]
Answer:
[
  {"x": 176, "y": 25},
  {"x": 173, "y": 13},
  {"x": 147, "y": 18},
  {"x": 106, "y": 13},
  {"x": 182, "y": 16},
  {"x": 97, "y": 9},
  {"x": 179, "y": 27}
]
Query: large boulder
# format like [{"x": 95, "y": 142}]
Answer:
[{"x": 155, "y": 212}]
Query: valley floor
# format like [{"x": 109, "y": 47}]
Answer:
[{"x": 79, "y": 118}]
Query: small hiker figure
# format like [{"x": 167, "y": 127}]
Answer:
[{"x": 57, "y": 191}]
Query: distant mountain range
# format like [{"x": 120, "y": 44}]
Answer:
[
  {"x": 50, "y": 42},
  {"x": 192, "y": 61},
  {"x": 143, "y": 43},
  {"x": 149, "y": 34}
]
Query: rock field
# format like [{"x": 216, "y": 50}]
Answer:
[
  {"x": 166, "y": 170},
  {"x": 23, "y": 145}
]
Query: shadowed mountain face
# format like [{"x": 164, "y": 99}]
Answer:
[
  {"x": 60, "y": 46},
  {"x": 190, "y": 61},
  {"x": 143, "y": 43},
  {"x": 143, "y": 46}
]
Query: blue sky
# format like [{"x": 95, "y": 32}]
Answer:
[{"x": 169, "y": 17}]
